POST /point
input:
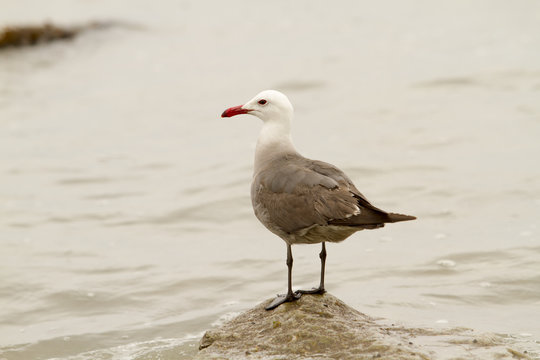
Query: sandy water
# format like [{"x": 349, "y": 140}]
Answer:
[{"x": 125, "y": 221}]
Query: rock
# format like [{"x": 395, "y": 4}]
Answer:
[
  {"x": 32, "y": 35},
  {"x": 323, "y": 327},
  {"x": 21, "y": 36}
]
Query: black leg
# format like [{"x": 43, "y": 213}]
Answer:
[
  {"x": 320, "y": 289},
  {"x": 290, "y": 296},
  {"x": 322, "y": 255}
]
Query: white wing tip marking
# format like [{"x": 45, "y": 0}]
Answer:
[{"x": 357, "y": 211}]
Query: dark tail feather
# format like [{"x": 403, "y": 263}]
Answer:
[{"x": 399, "y": 217}]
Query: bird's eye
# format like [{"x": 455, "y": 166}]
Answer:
[{"x": 262, "y": 102}]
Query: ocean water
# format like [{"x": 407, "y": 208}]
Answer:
[{"x": 126, "y": 226}]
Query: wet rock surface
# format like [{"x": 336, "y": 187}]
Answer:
[{"x": 323, "y": 327}]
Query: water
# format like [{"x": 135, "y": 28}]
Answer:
[{"x": 126, "y": 226}]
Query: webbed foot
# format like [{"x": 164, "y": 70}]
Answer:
[
  {"x": 319, "y": 290},
  {"x": 280, "y": 299}
]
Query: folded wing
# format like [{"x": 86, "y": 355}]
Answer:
[{"x": 295, "y": 193}]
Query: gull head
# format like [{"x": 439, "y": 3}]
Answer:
[{"x": 268, "y": 105}]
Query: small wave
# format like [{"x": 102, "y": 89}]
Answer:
[{"x": 164, "y": 349}]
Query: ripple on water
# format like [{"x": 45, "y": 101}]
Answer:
[
  {"x": 93, "y": 180},
  {"x": 130, "y": 344},
  {"x": 507, "y": 276},
  {"x": 207, "y": 212},
  {"x": 83, "y": 217},
  {"x": 113, "y": 270},
  {"x": 497, "y": 80},
  {"x": 450, "y": 82},
  {"x": 113, "y": 195}
]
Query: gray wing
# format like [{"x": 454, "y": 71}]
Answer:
[
  {"x": 369, "y": 214},
  {"x": 296, "y": 193}
]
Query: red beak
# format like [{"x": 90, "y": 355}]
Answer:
[{"x": 235, "y": 110}]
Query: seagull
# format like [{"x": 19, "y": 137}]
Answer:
[{"x": 302, "y": 201}]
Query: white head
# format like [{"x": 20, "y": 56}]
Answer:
[{"x": 268, "y": 105}]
